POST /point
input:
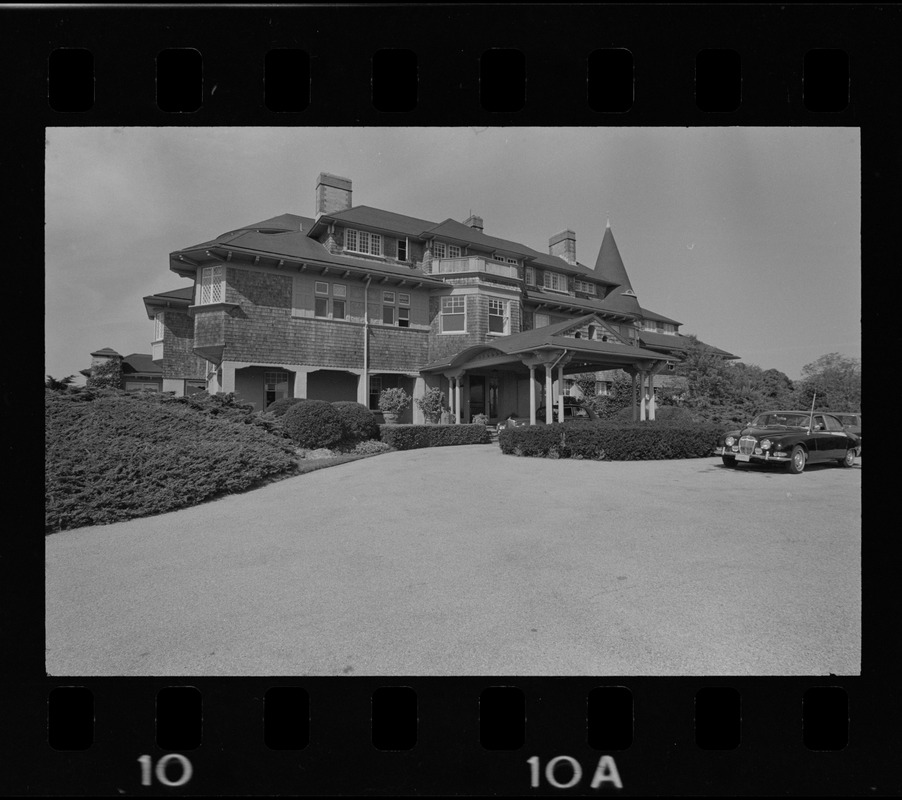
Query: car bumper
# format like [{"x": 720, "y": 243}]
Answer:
[{"x": 762, "y": 458}]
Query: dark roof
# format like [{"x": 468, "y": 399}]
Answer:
[
  {"x": 300, "y": 247},
  {"x": 140, "y": 362},
  {"x": 555, "y": 298},
  {"x": 646, "y": 314},
  {"x": 379, "y": 218},
  {"x": 667, "y": 340},
  {"x": 452, "y": 229},
  {"x": 678, "y": 342},
  {"x": 182, "y": 293},
  {"x": 106, "y": 351},
  {"x": 609, "y": 267},
  {"x": 287, "y": 222}
]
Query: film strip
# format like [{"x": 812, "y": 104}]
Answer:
[{"x": 419, "y": 734}]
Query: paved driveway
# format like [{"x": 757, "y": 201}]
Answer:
[{"x": 462, "y": 561}]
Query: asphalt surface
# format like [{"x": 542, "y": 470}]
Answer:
[{"x": 463, "y": 561}]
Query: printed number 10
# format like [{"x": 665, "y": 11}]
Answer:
[{"x": 160, "y": 771}]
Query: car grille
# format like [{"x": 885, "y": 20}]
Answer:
[{"x": 747, "y": 445}]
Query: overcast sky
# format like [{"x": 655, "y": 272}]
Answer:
[{"x": 748, "y": 236}]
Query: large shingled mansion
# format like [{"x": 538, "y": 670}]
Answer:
[{"x": 357, "y": 299}]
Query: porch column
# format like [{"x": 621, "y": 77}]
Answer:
[
  {"x": 548, "y": 396},
  {"x": 651, "y": 395},
  {"x": 532, "y": 395},
  {"x": 560, "y": 393},
  {"x": 300, "y": 384},
  {"x": 419, "y": 390},
  {"x": 642, "y": 375},
  {"x": 457, "y": 400},
  {"x": 363, "y": 389},
  {"x": 228, "y": 378},
  {"x": 633, "y": 398}
]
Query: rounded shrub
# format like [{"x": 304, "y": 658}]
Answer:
[
  {"x": 280, "y": 406},
  {"x": 313, "y": 424},
  {"x": 360, "y": 424}
]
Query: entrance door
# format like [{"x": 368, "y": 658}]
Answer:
[{"x": 477, "y": 395}]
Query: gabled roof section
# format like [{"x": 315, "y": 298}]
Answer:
[
  {"x": 379, "y": 218},
  {"x": 140, "y": 362}
]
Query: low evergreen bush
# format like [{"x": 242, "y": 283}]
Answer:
[
  {"x": 360, "y": 424},
  {"x": 112, "y": 456},
  {"x": 278, "y": 407},
  {"x": 612, "y": 441},
  {"x": 313, "y": 424},
  {"x": 410, "y": 437},
  {"x": 370, "y": 447}
]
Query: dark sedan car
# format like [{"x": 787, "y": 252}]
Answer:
[{"x": 791, "y": 438}]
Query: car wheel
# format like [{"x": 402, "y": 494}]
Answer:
[
  {"x": 729, "y": 461},
  {"x": 797, "y": 460},
  {"x": 849, "y": 459}
]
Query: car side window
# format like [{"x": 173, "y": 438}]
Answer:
[{"x": 833, "y": 424}]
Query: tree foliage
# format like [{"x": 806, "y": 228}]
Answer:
[
  {"x": 837, "y": 381},
  {"x": 107, "y": 375},
  {"x": 59, "y": 384}
]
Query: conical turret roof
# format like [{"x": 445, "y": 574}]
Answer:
[{"x": 609, "y": 266}]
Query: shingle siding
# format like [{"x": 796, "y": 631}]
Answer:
[{"x": 179, "y": 359}]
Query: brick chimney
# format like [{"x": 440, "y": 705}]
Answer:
[
  {"x": 332, "y": 194},
  {"x": 563, "y": 245},
  {"x": 474, "y": 222}
]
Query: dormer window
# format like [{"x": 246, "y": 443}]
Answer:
[
  {"x": 211, "y": 285},
  {"x": 555, "y": 281},
  {"x": 363, "y": 242},
  {"x": 584, "y": 286}
]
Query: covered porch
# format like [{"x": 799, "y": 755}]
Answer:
[{"x": 525, "y": 375}]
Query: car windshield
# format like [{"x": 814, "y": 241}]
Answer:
[{"x": 790, "y": 420}]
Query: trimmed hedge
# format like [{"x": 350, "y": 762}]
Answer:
[
  {"x": 411, "y": 437},
  {"x": 612, "y": 441},
  {"x": 313, "y": 424},
  {"x": 278, "y": 407},
  {"x": 360, "y": 424},
  {"x": 112, "y": 456}
]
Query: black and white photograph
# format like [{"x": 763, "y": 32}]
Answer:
[{"x": 453, "y": 401}]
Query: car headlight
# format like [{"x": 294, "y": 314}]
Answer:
[
  {"x": 729, "y": 441},
  {"x": 765, "y": 444}
]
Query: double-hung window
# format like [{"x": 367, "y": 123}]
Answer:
[
  {"x": 363, "y": 242},
  {"x": 331, "y": 305},
  {"x": 453, "y": 251},
  {"x": 403, "y": 310},
  {"x": 453, "y": 315},
  {"x": 402, "y": 249},
  {"x": 439, "y": 250},
  {"x": 530, "y": 276},
  {"x": 212, "y": 285},
  {"x": 555, "y": 281},
  {"x": 497, "y": 316},
  {"x": 158, "y": 327},
  {"x": 388, "y": 308}
]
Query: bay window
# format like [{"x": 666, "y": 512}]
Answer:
[{"x": 211, "y": 286}]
